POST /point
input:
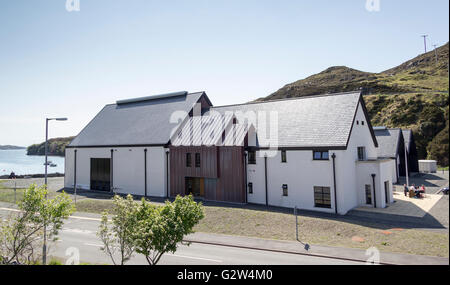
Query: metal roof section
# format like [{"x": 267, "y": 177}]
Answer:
[
  {"x": 388, "y": 141},
  {"x": 139, "y": 121},
  {"x": 407, "y": 136},
  {"x": 152, "y": 97},
  {"x": 304, "y": 122}
]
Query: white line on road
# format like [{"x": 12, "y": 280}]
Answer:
[
  {"x": 93, "y": 244},
  {"x": 71, "y": 217},
  {"x": 192, "y": 257}
]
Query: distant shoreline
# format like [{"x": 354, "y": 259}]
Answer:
[
  {"x": 11, "y": 147},
  {"x": 50, "y": 175}
]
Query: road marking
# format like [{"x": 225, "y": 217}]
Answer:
[
  {"x": 94, "y": 244},
  {"x": 77, "y": 231},
  {"x": 71, "y": 217},
  {"x": 192, "y": 257}
]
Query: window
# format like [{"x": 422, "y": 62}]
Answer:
[
  {"x": 362, "y": 123},
  {"x": 285, "y": 190},
  {"x": 321, "y": 155},
  {"x": 250, "y": 188},
  {"x": 322, "y": 198},
  {"x": 188, "y": 160},
  {"x": 252, "y": 157},
  {"x": 283, "y": 156},
  {"x": 197, "y": 159},
  {"x": 361, "y": 153},
  {"x": 357, "y": 122},
  {"x": 368, "y": 195}
]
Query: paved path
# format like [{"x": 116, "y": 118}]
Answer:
[{"x": 79, "y": 233}]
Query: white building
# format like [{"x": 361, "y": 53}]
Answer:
[{"x": 314, "y": 152}]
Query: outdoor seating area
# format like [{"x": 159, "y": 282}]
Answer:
[{"x": 414, "y": 192}]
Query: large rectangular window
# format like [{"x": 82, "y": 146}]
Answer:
[
  {"x": 361, "y": 153},
  {"x": 322, "y": 197},
  {"x": 283, "y": 156},
  {"x": 321, "y": 155},
  {"x": 197, "y": 159},
  {"x": 252, "y": 157},
  {"x": 188, "y": 160}
]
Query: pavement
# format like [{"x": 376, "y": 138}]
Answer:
[{"x": 79, "y": 235}]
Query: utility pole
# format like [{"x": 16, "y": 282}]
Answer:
[
  {"x": 425, "y": 42},
  {"x": 435, "y": 53}
]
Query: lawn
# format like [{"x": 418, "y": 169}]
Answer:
[{"x": 281, "y": 226}]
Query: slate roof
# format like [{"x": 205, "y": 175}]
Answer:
[
  {"x": 306, "y": 122},
  {"x": 145, "y": 122},
  {"x": 388, "y": 142},
  {"x": 207, "y": 131}
]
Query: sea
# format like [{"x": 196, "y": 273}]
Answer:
[{"x": 20, "y": 163}]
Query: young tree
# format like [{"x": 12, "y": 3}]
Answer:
[
  {"x": 21, "y": 235},
  {"x": 117, "y": 234},
  {"x": 160, "y": 229}
]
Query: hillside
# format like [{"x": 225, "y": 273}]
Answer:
[
  {"x": 412, "y": 95},
  {"x": 10, "y": 147},
  {"x": 56, "y": 146}
]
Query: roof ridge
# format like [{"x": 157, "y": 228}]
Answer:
[{"x": 290, "y": 99}]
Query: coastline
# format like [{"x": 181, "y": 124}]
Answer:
[{"x": 34, "y": 176}]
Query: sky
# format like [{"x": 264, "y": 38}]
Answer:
[{"x": 60, "y": 63}]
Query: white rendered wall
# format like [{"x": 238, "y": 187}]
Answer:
[{"x": 128, "y": 169}]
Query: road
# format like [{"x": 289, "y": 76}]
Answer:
[{"x": 78, "y": 237}]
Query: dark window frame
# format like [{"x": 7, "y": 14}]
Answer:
[
  {"x": 285, "y": 190},
  {"x": 251, "y": 157},
  {"x": 361, "y": 150},
  {"x": 324, "y": 200},
  {"x": 188, "y": 159},
  {"x": 322, "y": 156},
  {"x": 197, "y": 159},
  {"x": 250, "y": 188},
  {"x": 283, "y": 156}
]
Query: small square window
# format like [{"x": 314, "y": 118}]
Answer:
[
  {"x": 362, "y": 123},
  {"x": 357, "y": 122},
  {"x": 283, "y": 156},
  {"x": 188, "y": 160},
  {"x": 285, "y": 189},
  {"x": 322, "y": 197},
  {"x": 252, "y": 157},
  {"x": 250, "y": 188},
  {"x": 197, "y": 159}
]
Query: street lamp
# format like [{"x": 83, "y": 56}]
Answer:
[{"x": 44, "y": 246}]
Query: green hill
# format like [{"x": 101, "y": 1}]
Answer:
[
  {"x": 56, "y": 146},
  {"x": 412, "y": 95}
]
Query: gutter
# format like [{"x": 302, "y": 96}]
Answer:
[
  {"x": 167, "y": 173},
  {"x": 374, "y": 191},
  {"x": 145, "y": 172},
  {"x": 245, "y": 177},
  {"x": 112, "y": 171},
  {"x": 334, "y": 181},
  {"x": 265, "y": 177}
]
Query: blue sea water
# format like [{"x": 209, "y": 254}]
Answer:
[{"x": 23, "y": 164}]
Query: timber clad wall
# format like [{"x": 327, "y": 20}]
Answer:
[{"x": 221, "y": 167}]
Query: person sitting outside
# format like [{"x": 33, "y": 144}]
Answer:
[
  {"x": 405, "y": 190},
  {"x": 412, "y": 191}
]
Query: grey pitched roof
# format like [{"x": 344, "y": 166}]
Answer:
[
  {"x": 388, "y": 142},
  {"x": 407, "y": 136},
  {"x": 310, "y": 121},
  {"x": 136, "y": 122},
  {"x": 207, "y": 130}
]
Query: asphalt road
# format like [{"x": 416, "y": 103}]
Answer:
[{"x": 78, "y": 239}]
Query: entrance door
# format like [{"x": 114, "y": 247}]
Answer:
[
  {"x": 100, "y": 174},
  {"x": 368, "y": 195},
  {"x": 195, "y": 186}
]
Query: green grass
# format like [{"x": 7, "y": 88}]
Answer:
[
  {"x": 320, "y": 231},
  {"x": 443, "y": 168},
  {"x": 281, "y": 226}
]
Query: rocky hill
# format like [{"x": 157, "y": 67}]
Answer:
[
  {"x": 412, "y": 95},
  {"x": 56, "y": 146}
]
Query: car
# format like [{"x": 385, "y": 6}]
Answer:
[{"x": 443, "y": 191}]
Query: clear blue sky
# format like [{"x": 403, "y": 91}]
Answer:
[{"x": 59, "y": 63}]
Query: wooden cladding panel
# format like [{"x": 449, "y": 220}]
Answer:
[{"x": 222, "y": 168}]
